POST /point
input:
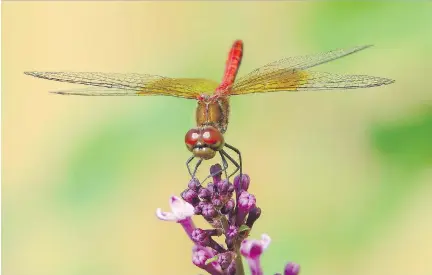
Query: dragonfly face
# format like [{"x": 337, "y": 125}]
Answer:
[{"x": 204, "y": 141}]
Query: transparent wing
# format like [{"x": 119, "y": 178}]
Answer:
[
  {"x": 312, "y": 81},
  {"x": 290, "y": 74},
  {"x": 117, "y": 84},
  {"x": 96, "y": 91}
]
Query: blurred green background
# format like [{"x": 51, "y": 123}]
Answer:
[{"x": 344, "y": 179}]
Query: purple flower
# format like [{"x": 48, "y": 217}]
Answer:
[
  {"x": 246, "y": 202},
  {"x": 180, "y": 210},
  {"x": 225, "y": 259},
  {"x": 181, "y": 213},
  {"x": 194, "y": 184},
  {"x": 209, "y": 211},
  {"x": 254, "y": 214},
  {"x": 228, "y": 207},
  {"x": 252, "y": 250},
  {"x": 203, "y": 238},
  {"x": 216, "y": 171},
  {"x": 243, "y": 184},
  {"x": 190, "y": 196},
  {"x": 230, "y": 217},
  {"x": 232, "y": 231},
  {"x": 217, "y": 203},
  {"x": 205, "y": 193},
  {"x": 224, "y": 186},
  {"x": 200, "y": 255},
  {"x": 292, "y": 269}
]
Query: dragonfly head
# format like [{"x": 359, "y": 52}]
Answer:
[{"x": 204, "y": 141}]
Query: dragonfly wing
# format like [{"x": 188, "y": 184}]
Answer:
[
  {"x": 308, "y": 61},
  {"x": 301, "y": 62},
  {"x": 309, "y": 81},
  {"x": 117, "y": 84},
  {"x": 96, "y": 91},
  {"x": 290, "y": 74}
]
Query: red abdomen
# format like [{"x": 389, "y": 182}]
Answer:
[{"x": 231, "y": 67}]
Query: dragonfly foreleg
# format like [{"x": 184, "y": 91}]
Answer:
[
  {"x": 239, "y": 156},
  {"x": 238, "y": 167},
  {"x": 187, "y": 164},
  {"x": 225, "y": 165},
  {"x": 224, "y": 169},
  {"x": 196, "y": 167}
]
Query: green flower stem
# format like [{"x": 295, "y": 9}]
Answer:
[{"x": 238, "y": 260}]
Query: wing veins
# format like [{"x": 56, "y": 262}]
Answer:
[
  {"x": 291, "y": 74},
  {"x": 140, "y": 84}
]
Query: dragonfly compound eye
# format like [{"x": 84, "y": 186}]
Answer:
[
  {"x": 191, "y": 138},
  {"x": 212, "y": 138}
]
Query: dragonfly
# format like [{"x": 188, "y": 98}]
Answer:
[{"x": 204, "y": 141}]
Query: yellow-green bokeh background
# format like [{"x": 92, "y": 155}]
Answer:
[{"x": 344, "y": 179}]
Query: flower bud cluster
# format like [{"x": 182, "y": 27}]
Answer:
[
  {"x": 231, "y": 211},
  {"x": 229, "y": 208}
]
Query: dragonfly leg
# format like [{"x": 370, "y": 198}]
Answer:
[
  {"x": 196, "y": 168},
  {"x": 224, "y": 169},
  {"x": 187, "y": 164},
  {"x": 225, "y": 164},
  {"x": 238, "y": 167},
  {"x": 239, "y": 156}
]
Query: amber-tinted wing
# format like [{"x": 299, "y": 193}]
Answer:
[
  {"x": 116, "y": 84},
  {"x": 290, "y": 74}
]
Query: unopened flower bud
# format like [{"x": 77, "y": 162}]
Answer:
[
  {"x": 223, "y": 186},
  {"x": 194, "y": 184},
  {"x": 292, "y": 269},
  {"x": 246, "y": 202},
  {"x": 254, "y": 214},
  {"x": 205, "y": 193},
  {"x": 225, "y": 259},
  {"x": 209, "y": 211},
  {"x": 216, "y": 172},
  {"x": 228, "y": 207},
  {"x": 243, "y": 184},
  {"x": 232, "y": 231},
  {"x": 190, "y": 196},
  {"x": 203, "y": 237},
  {"x": 217, "y": 203},
  {"x": 200, "y": 255}
]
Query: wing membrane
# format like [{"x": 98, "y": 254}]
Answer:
[
  {"x": 313, "y": 81},
  {"x": 290, "y": 74},
  {"x": 117, "y": 84},
  {"x": 96, "y": 91}
]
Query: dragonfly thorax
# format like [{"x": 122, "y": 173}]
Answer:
[
  {"x": 213, "y": 110},
  {"x": 207, "y": 98},
  {"x": 204, "y": 141}
]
